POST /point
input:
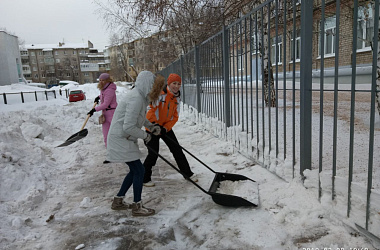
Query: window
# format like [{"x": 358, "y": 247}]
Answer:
[
  {"x": 57, "y": 60},
  {"x": 273, "y": 53},
  {"x": 86, "y": 74},
  {"x": 56, "y": 52},
  {"x": 32, "y": 53},
  {"x": 34, "y": 68},
  {"x": 33, "y": 61},
  {"x": 40, "y": 53},
  {"x": 24, "y": 53},
  {"x": 68, "y": 74},
  {"x": 240, "y": 59},
  {"x": 36, "y": 76},
  {"x": 64, "y": 52},
  {"x": 329, "y": 35},
  {"x": 43, "y": 75},
  {"x": 49, "y": 60},
  {"x": 365, "y": 26},
  {"x": 297, "y": 46}
]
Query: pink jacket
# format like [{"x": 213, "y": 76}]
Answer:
[
  {"x": 107, "y": 98},
  {"x": 108, "y": 105}
]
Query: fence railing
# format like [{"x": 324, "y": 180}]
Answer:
[
  {"x": 260, "y": 83},
  {"x": 27, "y": 96}
]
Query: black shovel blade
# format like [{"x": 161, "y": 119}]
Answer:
[
  {"x": 226, "y": 199},
  {"x": 75, "y": 137}
]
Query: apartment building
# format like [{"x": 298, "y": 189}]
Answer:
[
  {"x": 10, "y": 59},
  {"x": 51, "y": 63},
  {"x": 121, "y": 61},
  {"x": 151, "y": 53}
]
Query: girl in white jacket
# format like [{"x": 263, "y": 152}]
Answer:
[{"x": 126, "y": 128}]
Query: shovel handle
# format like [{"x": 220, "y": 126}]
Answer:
[
  {"x": 178, "y": 170},
  {"x": 88, "y": 117},
  {"x": 204, "y": 164}
]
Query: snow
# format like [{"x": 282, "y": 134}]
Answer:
[
  {"x": 56, "y": 46},
  {"x": 60, "y": 198},
  {"x": 246, "y": 189}
]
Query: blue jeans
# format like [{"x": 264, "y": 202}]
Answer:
[{"x": 135, "y": 177}]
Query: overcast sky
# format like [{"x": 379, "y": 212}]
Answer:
[{"x": 53, "y": 21}]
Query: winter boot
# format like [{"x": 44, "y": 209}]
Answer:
[
  {"x": 118, "y": 203},
  {"x": 194, "y": 178},
  {"x": 139, "y": 210},
  {"x": 149, "y": 184}
]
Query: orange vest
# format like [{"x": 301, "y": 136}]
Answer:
[{"x": 165, "y": 110}]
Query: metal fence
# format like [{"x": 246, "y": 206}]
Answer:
[
  {"x": 28, "y": 96},
  {"x": 272, "y": 83}
]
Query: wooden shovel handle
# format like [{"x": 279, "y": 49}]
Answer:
[{"x": 88, "y": 117}]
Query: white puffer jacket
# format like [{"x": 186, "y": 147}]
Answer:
[{"x": 128, "y": 120}]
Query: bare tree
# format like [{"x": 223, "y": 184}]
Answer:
[
  {"x": 189, "y": 22},
  {"x": 121, "y": 70}
]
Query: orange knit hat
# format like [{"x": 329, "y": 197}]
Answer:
[{"x": 173, "y": 78}]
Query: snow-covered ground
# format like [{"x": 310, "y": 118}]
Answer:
[{"x": 60, "y": 198}]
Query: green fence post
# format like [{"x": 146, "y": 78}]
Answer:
[
  {"x": 198, "y": 78},
  {"x": 306, "y": 84},
  {"x": 226, "y": 76}
]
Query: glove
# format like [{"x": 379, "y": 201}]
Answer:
[
  {"x": 91, "y": 112},
  {"x": 97, "y": 100},
  {"x": 156, "y": 130},
  {"x": 163, "y": 130},
  {"x": 147, "y": 138}
]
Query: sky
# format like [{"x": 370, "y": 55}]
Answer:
[
  {"x": 54, "y": 21},
  {"x": 60, "y": 197}
]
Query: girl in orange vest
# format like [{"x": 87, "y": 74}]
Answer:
[{"x": 164, "y": 113}]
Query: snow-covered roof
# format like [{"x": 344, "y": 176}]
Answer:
[
  {"x": 95, "y": 55},
  {"x": 69, "y": 82},
  {"x": 56, "y": 46},
  {"x": 6, "y": 32}
]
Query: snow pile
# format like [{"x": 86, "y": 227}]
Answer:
[{"x": 246, "y": 189}]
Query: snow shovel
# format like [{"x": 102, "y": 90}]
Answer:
[
  {"x": 79, "y": 135},
  {"x": 219, "y": 198}
]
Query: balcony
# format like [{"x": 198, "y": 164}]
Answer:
[
  {"x": 26, "y": 71},
  {"x": 49, "y": 60},
  {"x": 89, "y": 67}
]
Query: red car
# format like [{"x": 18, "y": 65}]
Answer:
[{"x": 76, "y": 95}]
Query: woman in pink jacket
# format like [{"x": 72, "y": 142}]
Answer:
[{"x": 108, "y": 102}]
